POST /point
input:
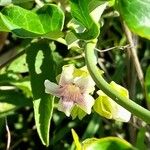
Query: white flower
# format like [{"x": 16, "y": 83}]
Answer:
[
  {"x": 108, "y": 108},
  {"x": 73, "y": 89}
]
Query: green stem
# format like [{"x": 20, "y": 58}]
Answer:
[{"x": 131, "y": 106}]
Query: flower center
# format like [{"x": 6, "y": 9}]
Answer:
[{"x": 70, "y": 92}]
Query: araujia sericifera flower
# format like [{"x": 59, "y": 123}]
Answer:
[
  {"x": 108, "y": 108},
  {"x": 74, "y": 88}
]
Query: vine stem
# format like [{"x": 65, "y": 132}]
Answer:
[{"x": 96, "y": 74}]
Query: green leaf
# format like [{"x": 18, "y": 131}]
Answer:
[
  {"x": 93, "y": 126},
  {"x": 80, "y": 11},
  {"x": 72, "y": 41},
  {"x": 136, "y": 14},
  {"x": 25, "y": 86},
  {"x": 15, "y": 92},
  {"x": 64, "y": 130},
  {"x": 7, "y": 2},
  {"x": 41, "y": 67},
  {"x": 3, "y": 27},
  {"x": 19, "y": 65},
  {"x": 47, "y": 21},
  {"x": 109, "y": 143},
  {"x": 76, "y": 139},
  {"x": 96, "y": 9},
  {"x": 11, "y": 100},
  {"x": 147, "y": 84},
  {"x": 11, "y": 78},
  {"x": 77, "y": 112},
  {"x": 84, "y": 28},
  {"x": 140, "y": 141}
]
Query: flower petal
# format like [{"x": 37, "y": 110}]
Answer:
[
  {"x": 86, "y": 84},
  {"x": 123, "y": 91},
  {"x": 122, "y": 114},
  {"x": 108, "y": 108},
  {"x": 86, "y": 103},
  {"x": 81, "y": 72},
  {"x": 65, "y": 106},
  {"x": 104, "y": 106},
  {"x": 67, "y": 74},
  {"x": 83, "y": 79},
  {"x": 51, "y": 88}
]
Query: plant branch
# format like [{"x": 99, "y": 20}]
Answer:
[
  {"x": 3, "y": 38},
  {"x": 22, "y": 51},
  {"x": 133, "y": 54},
  {"x": 96, "y": 74},
  {"x": 112, "y": 48},
  {"x": 12, "y": 59}
]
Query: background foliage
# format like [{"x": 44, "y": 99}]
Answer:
[{"x": 38, "y": 37}]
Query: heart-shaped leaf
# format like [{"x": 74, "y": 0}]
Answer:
[
  {"x": 136, "y": 14},
  {"x": 48, "y": 20},
  {"x": 7, "y": 2}
]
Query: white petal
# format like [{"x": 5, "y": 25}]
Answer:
[
  {"x": 67, "y": 74},
  {"x": 85, "y": 83},
  {"x": 118, "y": 112},
  {"x": 51, "y": 88},
  {"x": 65, "y": 106},
  {"x": 86, "y": 103},
  {"x": 122, "y": 114}
]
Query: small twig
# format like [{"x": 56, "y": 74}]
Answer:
[
  {"x": 134, "y": 55},
  {"x": 3, "y": 38},
  {"x": 75, "y": 57},
  {"x": 112, "y": 48},
  {"x": 17, "y": 143},
  {"x": 12, "y": 59},
  {"x": 23, "y": 50},
  {"x": 8, "y": 135}
]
